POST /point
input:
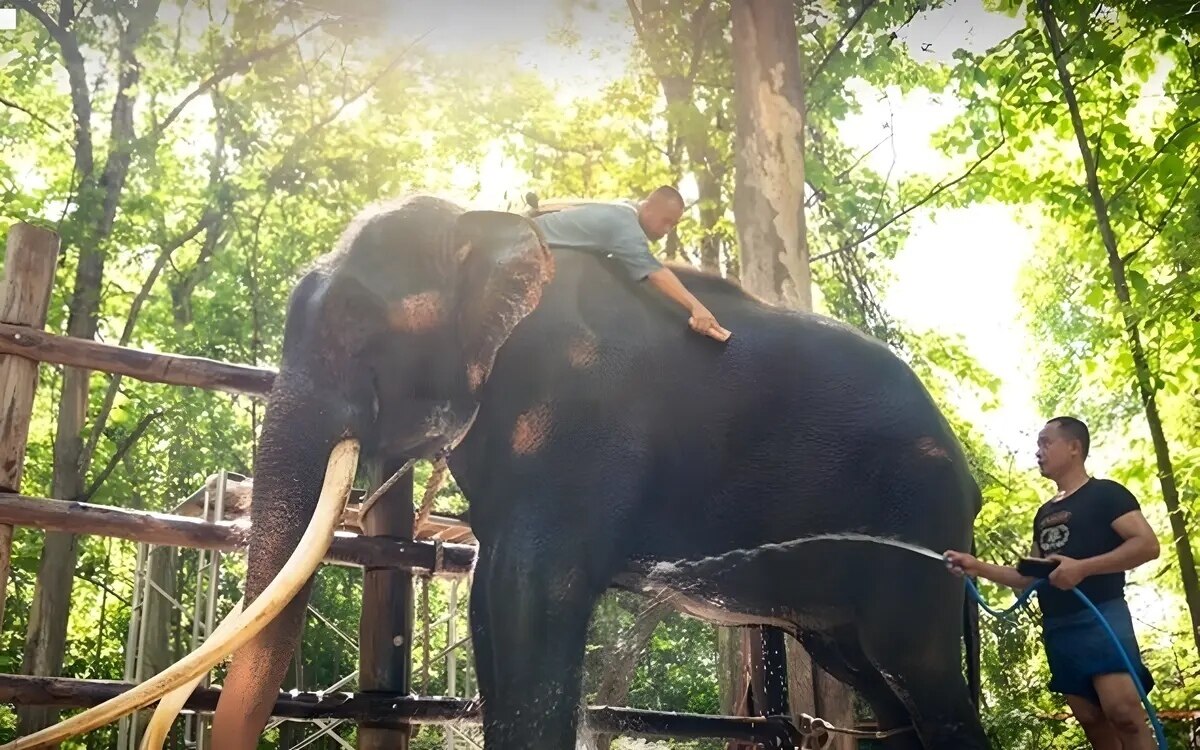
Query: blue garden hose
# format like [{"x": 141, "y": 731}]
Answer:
[{"x": 1023, "y": 599}]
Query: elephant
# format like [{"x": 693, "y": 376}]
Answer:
[{"x": 599, "y": 442}]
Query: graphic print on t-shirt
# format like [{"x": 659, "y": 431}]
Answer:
[{"x": 1054, "y": 532}]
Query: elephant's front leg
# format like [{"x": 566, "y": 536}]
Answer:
[{"x": 531, "y": 602}]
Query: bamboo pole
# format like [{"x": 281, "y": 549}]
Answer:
[
  {"x": 195, "y": 533},
  {"x": 152, "y": 367},
  {"x": 399, "y": 709}
]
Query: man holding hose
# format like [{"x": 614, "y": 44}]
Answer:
[{"x": 1095, "y": 531}]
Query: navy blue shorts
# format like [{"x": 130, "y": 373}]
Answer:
[{"x": 1079, "y": 649}]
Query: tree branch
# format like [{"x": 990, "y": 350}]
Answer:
[
  {"x": 543, "y": 139},
  {"x": 135, "y": 308},
  {"x": 66, "y": 13},
  {"x": 635, "y": 15},
  {"x": 815, "y": 104},
  {"x": 858, "y": 17},
  {"x": 1157, "y": 229},
  {"x": 846, "y": 172},
  {"x": 699, "y": 24},
  {"x": 227, "y": 70},
  {"x": 319, "y": 125},
  {"x": 937, "y": 190},
  {"x": 81, "y": 101},
  {"x": 122, "y": 132},
  {"x": 119, "y": 454},
  {"x": 37, "y": 118},
  {"x": 1150, "y": 161},
  {"x": 103, "y": 587},
  {"x": 887, "y": 179}
]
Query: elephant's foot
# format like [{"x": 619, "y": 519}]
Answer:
[{"x": 939, "y": 702}]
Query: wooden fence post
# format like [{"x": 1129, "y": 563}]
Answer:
[
  {"x": 30, "y": 260},
  {"x": 386, "y": 622}
]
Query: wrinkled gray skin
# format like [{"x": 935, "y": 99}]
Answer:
[{"x": 609, "y": 438}]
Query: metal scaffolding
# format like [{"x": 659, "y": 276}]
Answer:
[
  {"x": 157, "y": 606},
  {"x": 144, "y": 639}
]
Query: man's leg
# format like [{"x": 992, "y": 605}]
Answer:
[
  {"x": 1095, "y": 724},
  {"x": 1123, "y": 708}
]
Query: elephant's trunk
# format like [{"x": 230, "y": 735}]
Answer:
[{"x": 300, "y": 428}]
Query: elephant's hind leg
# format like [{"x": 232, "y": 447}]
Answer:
[
  {"x": 919, "y": 658},
  {"x": 840, "y": 654}
]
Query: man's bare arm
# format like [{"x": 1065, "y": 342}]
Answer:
[
  {"x": 961, "y": 562},
  {"x": 1140, "y": 546},
  {"x": 702, "y": 321}
]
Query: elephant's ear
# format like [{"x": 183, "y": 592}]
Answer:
[{"x": 504, "y": 263}]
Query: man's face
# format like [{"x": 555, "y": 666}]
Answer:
[
  {"x": 1056, "y": 452},
  {"x": 658, "y": 216}
]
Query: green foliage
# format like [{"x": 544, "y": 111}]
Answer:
[{"x": 1135, "y": 76}]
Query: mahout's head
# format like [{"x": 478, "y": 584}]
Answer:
[
  {"x": 660, "y": 212},
  {"x": 1063, "y": 446}
]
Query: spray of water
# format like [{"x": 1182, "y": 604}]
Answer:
[{"x": 740, "y": 556}]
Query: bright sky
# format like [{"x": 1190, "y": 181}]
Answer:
[{"x": 939, "y": 272}]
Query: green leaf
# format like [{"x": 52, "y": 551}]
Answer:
[
  {"x": 1173, "y": 167},
  {"x": 1139, "y": 283}
]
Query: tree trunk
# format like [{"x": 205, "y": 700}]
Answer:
[
  {"x": 1133, "y": 339},
  {"x": 733, "y": 671},
  {"x": 768, "y": 199},
  {"x": 768, "y": 207},
  {"x": 690, "y": 122},
  {"x": 679, "y": 95},
  {"x": 45, "y": 641}
]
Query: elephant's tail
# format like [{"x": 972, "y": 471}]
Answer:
[{"x": 971, "y": 641}]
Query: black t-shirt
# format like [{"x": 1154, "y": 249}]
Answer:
[{"x": 1080, "y": 526}]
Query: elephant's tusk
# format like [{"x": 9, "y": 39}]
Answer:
[
  {"x": 339, "y": 475},
  {"x": 172, "y": 703}
]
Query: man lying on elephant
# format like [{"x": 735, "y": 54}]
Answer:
[{"x": 621, "y": 230}]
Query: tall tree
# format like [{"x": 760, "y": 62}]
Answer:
[
  {"x": 1103, "y": 118},
  {"x": 679, "y": 48},
  {"x": 769, "y": 153},
  {"x": 1133, "y": 337},
  {"x": 769, "y": 198},
  {"x": 98, "y": 198},
  {"x": 133, "y": 187}
]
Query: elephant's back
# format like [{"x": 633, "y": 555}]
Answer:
[
  {"x": 795, "y": 410},
  {"x": 596, "y": 333}
]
